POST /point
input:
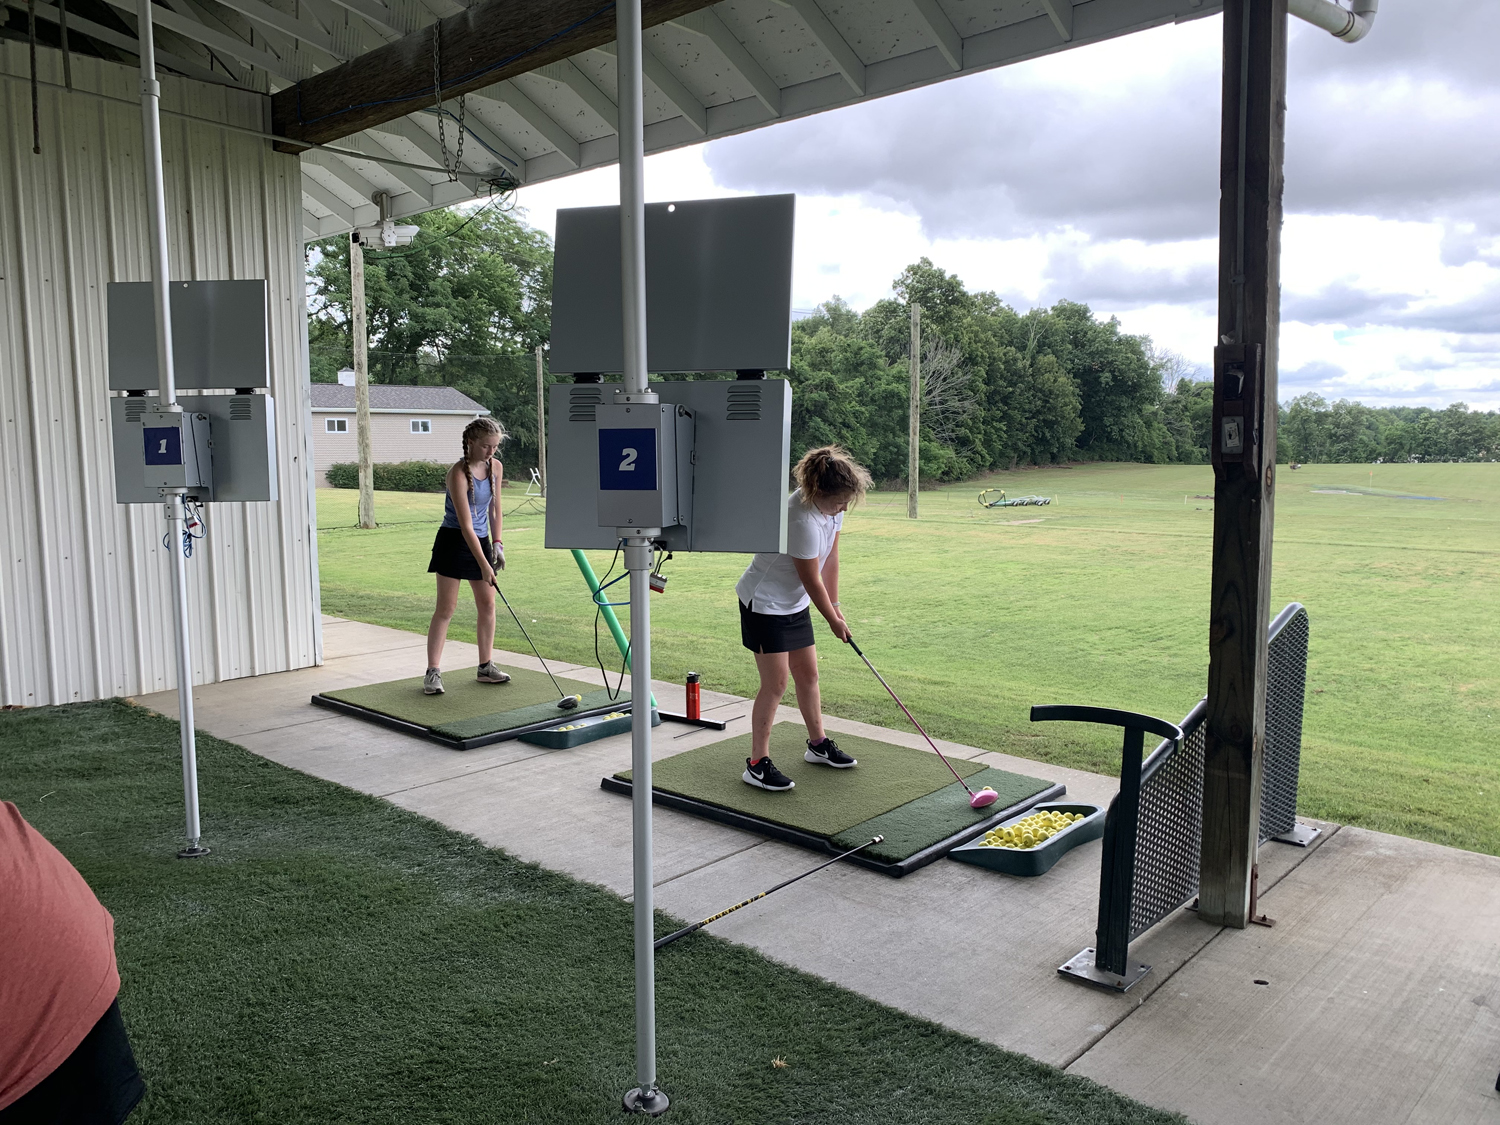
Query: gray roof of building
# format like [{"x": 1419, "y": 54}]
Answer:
[{"x": 389, "y": 396}]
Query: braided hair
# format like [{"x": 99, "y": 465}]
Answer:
[
  {"x": 828, "y": 472},
  {"x": 481, "y": 425}
]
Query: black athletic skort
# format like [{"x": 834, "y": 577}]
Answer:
[
  {"x": 452, "y": 558},
  {"x": 775, "y": 632},
  {"x": 98, "y": 1084}
]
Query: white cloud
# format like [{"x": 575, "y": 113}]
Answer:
[{"x": 1092, "y": 175}]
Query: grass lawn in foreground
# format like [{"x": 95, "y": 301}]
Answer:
[
  {"x": 339, "y": 960},
  {"x": 1101, "y": 597}
]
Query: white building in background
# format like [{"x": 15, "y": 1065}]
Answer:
[{"x": 406, "y": 423}]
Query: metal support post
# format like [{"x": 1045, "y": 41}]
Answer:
[
  {"x": 160, "y": 275},
  {"x": 914, "y": 414},
  {"x": 541, "y": 424},
  {"x": 645, "y": 1097},
  {"x": 361, "y": 382}
]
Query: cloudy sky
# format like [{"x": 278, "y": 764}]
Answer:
[{"x": 1092, "y": 175}]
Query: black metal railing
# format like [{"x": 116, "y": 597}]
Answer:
[{"x": 1154, "y": 829}]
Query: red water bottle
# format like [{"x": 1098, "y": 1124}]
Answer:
[{"x": 692, "y": 695}]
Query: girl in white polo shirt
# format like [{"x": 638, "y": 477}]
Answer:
[{"x": 775, "y": 624}]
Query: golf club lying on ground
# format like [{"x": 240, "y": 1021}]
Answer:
[
  {"x": 567, "y": 702},
  {"x": 696, "y": 926},
  {"x": 986, "y": 796}
]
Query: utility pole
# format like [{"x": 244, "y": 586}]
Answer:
[
  {"x": 914, "y": 414},
  {"x": 541, "y": 423},
  {"x": 361, "y": 382},
  {"x": 1243, "y": 451}
]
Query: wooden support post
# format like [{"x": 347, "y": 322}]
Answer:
[
  {"x": 541, "y": 423},
  {"x": 914, "y": 414},
  {"x": 361, "y": 383},
  {"x": 1244, "y": 449}
]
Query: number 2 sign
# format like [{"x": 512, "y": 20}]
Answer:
[{"x": 627, "y": 460}]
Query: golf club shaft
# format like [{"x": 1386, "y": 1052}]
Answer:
[
  {"x": 529, "y": 641},
  {"x": 910, "y": 716},
  {"x": 696, "y": 926}
]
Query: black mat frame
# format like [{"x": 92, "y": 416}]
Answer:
[
  {"x": 416, "y": 730},
  {"x": 821, "y": 844}
]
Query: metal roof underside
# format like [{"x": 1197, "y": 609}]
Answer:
[{"x": 722, "y": 69}]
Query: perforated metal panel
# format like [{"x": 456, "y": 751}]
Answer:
[
  {"x": 1170, "y": 828},
  {"x": 1286, "y": 685}
]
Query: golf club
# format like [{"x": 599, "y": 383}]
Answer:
[
  {"x": 696, "y": 926},
  {"x": 985, "y": 797},
  {"x": 567, "y": 702}
]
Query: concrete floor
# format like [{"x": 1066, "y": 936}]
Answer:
[{"x": 1381, "y": 1000}]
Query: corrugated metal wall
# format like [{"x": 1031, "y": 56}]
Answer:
[{"x": 85, "y": 584}]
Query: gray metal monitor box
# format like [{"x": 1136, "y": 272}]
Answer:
[
  {"x": 718, "y": 286},
  {"x": 646, "y": 454},
  {"x": 175, "y": 451},
  {"x": 742, "y": 440},
  {"x": 219, "y": 335},
  {"x": 242, "y": 447}
]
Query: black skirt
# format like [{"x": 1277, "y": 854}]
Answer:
[
  {"x": 775, "y": 632},
  {"x": 98, "y": 1084},
  {"x": 452, "y": 558}
]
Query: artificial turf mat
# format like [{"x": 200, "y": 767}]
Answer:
[
  {"x": 337, "y": 959},
  {"x": 464, "y": 700},
  {"x": 908, "y": 796},
  {"x": 935, "y": 816}
]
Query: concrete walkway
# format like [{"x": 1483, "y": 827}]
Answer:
[{"x": 1375, "y": 999}]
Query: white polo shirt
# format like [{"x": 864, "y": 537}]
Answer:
[{"x": 770, "y": 583}]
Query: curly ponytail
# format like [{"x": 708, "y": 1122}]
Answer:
[{"x": 828, "y": 472}]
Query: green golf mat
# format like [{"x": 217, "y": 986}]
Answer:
[
  {"x": 470, "y": 714},
  {"x": 906, "y": 795}
]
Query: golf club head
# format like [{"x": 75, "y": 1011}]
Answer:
[
  {"x": 983, "y": 799},
  {"x": 568, "y": 702}
]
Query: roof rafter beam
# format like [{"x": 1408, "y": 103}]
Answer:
[
  {"x": 298, "y": 27},
  {"x": 567, "y": 74},
  {"x": 131, "y": 44},
  {"x": 665, "y": 79},
  {"x": 377, "y": 13},
  {"x": 708, "y": 24},
  {"x": 535, "y": 116},
  {"x": 199, "y": 32},
  {"x": 425, "y": 143},
  {"x": 847, "y": 62},
  {"x": 1060, "y": 12},
  {"x": 374, "y": 150},
  {"x": 488, "y": 138},
  {"x": 491, "y": 41},
  {"x": 339, "y": 170},
  {"x": 326, "y": 199},
  {"x": 182, "y": 7},
  {"x": 949, "y": 43}
]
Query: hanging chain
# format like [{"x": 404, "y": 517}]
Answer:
[{"x": 437, "y": 87}]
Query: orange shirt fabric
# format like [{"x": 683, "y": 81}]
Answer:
[{"x": 57, "y": 957}]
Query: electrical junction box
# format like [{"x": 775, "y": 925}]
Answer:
[
  {"x": 241, "y": 452},
  {"x": 175, "y": 451},
  {"x": 645, "y": 458},
  {"x": 731, "y": 491}
]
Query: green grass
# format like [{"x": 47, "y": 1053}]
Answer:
[
  {"x": 339, "y": 960},
  {"x": 974, "y": 615}
]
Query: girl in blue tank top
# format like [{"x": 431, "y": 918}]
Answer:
[{"x": 468, "y": 548}]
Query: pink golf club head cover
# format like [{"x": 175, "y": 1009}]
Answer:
[{"x": 984, "y": 798}]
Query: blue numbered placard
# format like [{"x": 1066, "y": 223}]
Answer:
[
  {"x": 163, "y": 445},
  {"x": 627, "y": 460}
]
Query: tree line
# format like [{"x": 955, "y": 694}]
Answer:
[{"x": 467, "y": 303}]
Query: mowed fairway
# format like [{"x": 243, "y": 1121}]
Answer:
[{"x": 1100, "y": 597}]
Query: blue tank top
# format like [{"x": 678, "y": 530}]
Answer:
[{"x": 479, "y": 508}]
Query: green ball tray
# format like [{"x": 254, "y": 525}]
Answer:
[{"x": 1037, "y": 860}]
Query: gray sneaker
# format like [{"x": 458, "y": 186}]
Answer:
[
  {"x": 490, "y": 673},
  {"x": 432, "y": 683}
]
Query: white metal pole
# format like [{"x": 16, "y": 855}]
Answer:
[
  {"x": 541, "y": 424},
  {"x": 914, "y": 414},
  {"x": 645, "y": 1097},
  {"x": 167, "y": 377},
  {"x": 361, "y": 382}
]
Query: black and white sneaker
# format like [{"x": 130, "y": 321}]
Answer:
[
  {"x": 764, "y": 775},
  {"x": 827, "y": 753}
]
